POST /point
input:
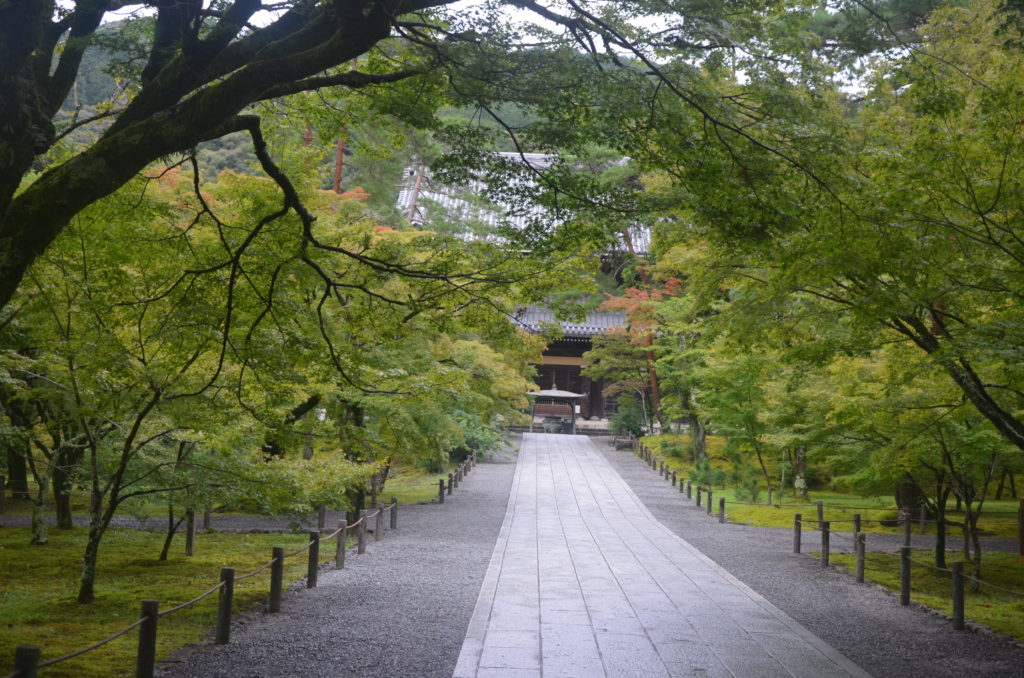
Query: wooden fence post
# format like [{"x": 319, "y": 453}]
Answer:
[
  {"x": 276, "y": 579},
  {"x": 824, "y": 543},
  {"x": 321, "y": 516},
  {"x": 313, "y": 564},
  {"x": 958, "y": 595},
  {"x": 673, "y": 478},
  {"x": 721, "y": 510},
  {"x": 904, "y": 575},
  {"x": 698, "y": 496},
  {"x": 859, "y": 546},
  {"x": 440, "y": 490},
  {"x": 711, "y": 501},
  {"x": 145, "y": 655},
  {"x": 227, "y": 594},
  {"x": 689, "y": 489},
  {"x": 451, "y": 478},
  {"x": 394, "y": 513},
  {"x": 821, "y": 513},
  {"x": 906, "y": 528},
  {"x": 378, "y": 525},
  {"x": 361, "y": 533},
  {"x": 796, "y": 532},
  {"x": 339, "y": 547},
  {"x": 856, "y": 524},
  {"x": 26, "y": 661},
  {"x": 455, "y": 479},
  {"x": 682, "y": 486}
]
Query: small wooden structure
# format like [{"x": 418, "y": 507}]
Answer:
[{"x": 555, "y": 406}]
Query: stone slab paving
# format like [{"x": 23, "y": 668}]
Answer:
[{"x": 584, "y": 581}]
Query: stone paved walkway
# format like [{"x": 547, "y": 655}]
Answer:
[{"x": 585, "y": 582}]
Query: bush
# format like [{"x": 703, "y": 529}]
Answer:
[
  {"x": 702, "y": 472},
  {"x": 677, "y": 450},
  {"x": 629, "y": 417},
  {"x": 433, "y": 464},
  {"x": 749, "y": 485}
]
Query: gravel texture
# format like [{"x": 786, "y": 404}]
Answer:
[
  {"x": 864, "y": 622},
  {"x": 402, "y": 609},
  {"x": 399, "y": 610}
]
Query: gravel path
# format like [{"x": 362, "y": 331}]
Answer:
[
  {"x": 399, "y": 610},
  {"x": 402, "y": 609},
  {"x": 865, "y": 623}
]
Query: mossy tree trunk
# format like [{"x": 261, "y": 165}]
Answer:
[{"x": 65, "y": 461}]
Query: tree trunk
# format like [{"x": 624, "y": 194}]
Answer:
[
  {"x": 172, "y": 528},
  {"x": 17, "y": 469},
  {"x": 961, "y": 370},
  {"x": 357, "y": 500},
  {"x": 40, "y": 534},
  {"x": 100, "y": 518},
  {"x": 764, "y": 468},
  {"x": 190, "y": 532},
  {"x": 652, "y": 377},
  {"x": 698, "y": 437},
  {"x": 908, "y": 495},
  {"x": 87, "y": 585},
  {"x": 800, "y": 474},
  {"x": 976, "y": 543},
  {"x": 942, "y": 494},
  {"x": 62, "y": 492}
]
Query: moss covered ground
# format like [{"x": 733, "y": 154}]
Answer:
[
  {"x": 39, "y": 583},
  {"x": 995, "y": 609}
]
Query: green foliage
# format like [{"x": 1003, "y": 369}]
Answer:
[
  {"x": 152, "y": 336},
  {"x": 629, "y": 416},
  {"x": 677, "y": 450},
  {"x": 849, "y": 311},
  {"x": 701, "y": 473}
]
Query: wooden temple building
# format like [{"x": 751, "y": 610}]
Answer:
[
  {"x": 427, "y": 202},
  {"x": 562, "y": 361}
]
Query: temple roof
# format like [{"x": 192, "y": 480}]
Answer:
[
  {"x": 556, "y": 393},
  {"x": 535, "y": 318},
  {"x": 467, "y": 212}
]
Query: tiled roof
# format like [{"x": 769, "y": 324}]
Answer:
[
  {"x": 434, "y": 200},
  {"x": 426, "y": 201},
  {"x": 534, "y": 318}
]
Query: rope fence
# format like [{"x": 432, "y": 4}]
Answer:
[
  {"x": 94, "y": 646},
  {"x": 27, "y": 658},
  {"x": 697, "y": 492}
]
